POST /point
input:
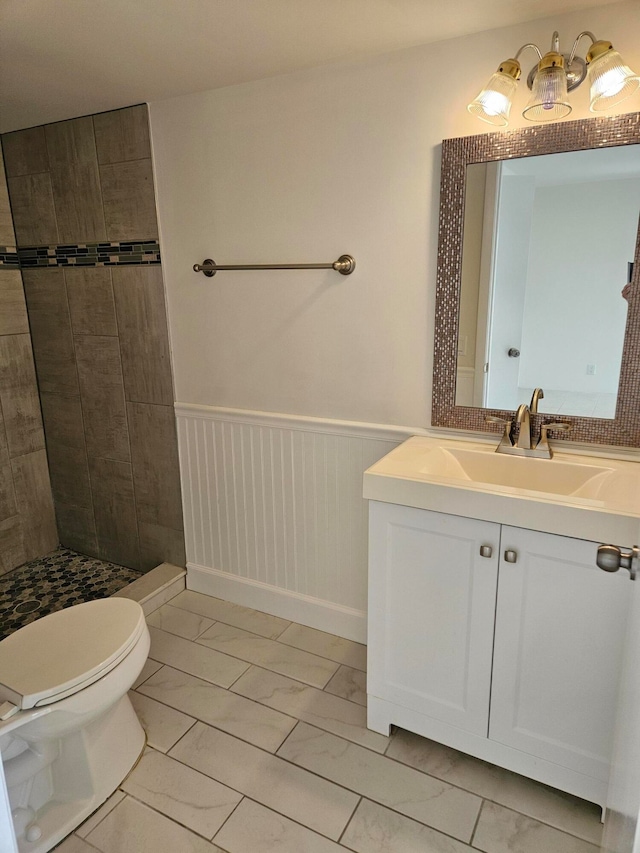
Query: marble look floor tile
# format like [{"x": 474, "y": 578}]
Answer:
[
  {"x": 326, "y": 645},
  {"x": 375, "y": 829},
  {"x": 150, "y": 666},
  {"x": 501, "y": 830},
  {"x": 231, "y": 614},
  {"x": 350, "y": 684},
  {"x": 73, "y": 844},
  {"x": 314, "y": 706},
  {"x": 133, "y": 827},
  {"x": 269, "y": 654},
  {"x": 316, "y": 803},
  {"x": 254, "y": 829},
  {"x": 548, "y": 805},
  {"x": 164, "y": 726},
  {"x": 195, "y": 659},
  {"x": 85, "y": 828},
  {"x": 262, "y": 726},
  {"x": 408, "y": 791},
  {"x": 181, "y": 793},
  {"x": 175, "y": 620}
]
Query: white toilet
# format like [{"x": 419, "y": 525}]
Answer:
[{"x": 68, "y": 732}]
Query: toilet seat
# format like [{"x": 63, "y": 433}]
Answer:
[{"x": 62, "y": 653}]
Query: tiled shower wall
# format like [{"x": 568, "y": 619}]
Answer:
[
  {"x": 83, "y": 207},
  {"x": 27, "y": 522}
]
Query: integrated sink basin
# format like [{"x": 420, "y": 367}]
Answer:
[
  {"x": 587, "y": 497},
  {"x": 515, "y": 472}
]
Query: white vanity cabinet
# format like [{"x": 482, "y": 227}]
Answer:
[{"x": 515, "y": 660}]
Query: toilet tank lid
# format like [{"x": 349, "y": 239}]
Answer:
[{"x": 67, "y": 649}]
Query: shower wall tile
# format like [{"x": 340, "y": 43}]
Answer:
[
  {"x": 129, "y": 200},
  {"x": 83, "y": 200},
  {"x": 13, "y": 313},
  {"x": 7, "y": 234},
  {"x": 8, "y": 506},
  {"x": 122, "y": 135},
  {"x": 154, "y": 453},
  {"x": 20, "y": 403},
  {"x": 69, "y": 472},
  {"x": 35, "y": 505},
  {"x": 12, "y": 551},
  {"x": 77, "y": 528},
  {"x": 4, "y": 450},
  {"x": 75, "y": 180},
  {"x": 144, "y": 338},
  {"x": 102, "y": 397},
  {"x": 115, "y": 511},
  {"x": 62, "y": 415},
  {"x": 25, "y": 152},
  {"x": 26, "y": 502},
  {"x": 51, "y": 330},
  {"x": 34, "y": 215},
  {"x": 91, "y": 305},
  {"x": 160, "y": 544}
]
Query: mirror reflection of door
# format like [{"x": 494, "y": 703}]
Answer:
[{"x": 547, "y": 243}]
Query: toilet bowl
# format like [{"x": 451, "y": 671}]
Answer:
[{"x": 68, "y": 732}]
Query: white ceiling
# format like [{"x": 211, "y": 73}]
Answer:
[{"x": 64, "y": 58}]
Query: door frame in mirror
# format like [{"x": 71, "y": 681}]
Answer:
[{"x": 457, "y": 154}]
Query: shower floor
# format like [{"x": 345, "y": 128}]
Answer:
[{"x": 53, "y": 582}]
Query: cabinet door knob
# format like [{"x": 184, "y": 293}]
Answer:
[
  {"x": 486, "y": 550},
  {"x": 511, "y": 556}
]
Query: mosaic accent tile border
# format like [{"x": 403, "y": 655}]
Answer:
[
  {"x": 90, "y": 254},
  {"x": 54, "y": 582},
  {"x": 9, "y": 256},
  {"x": 624, "y": 429}
]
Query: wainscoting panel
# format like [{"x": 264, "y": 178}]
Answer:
[{"x": 274, "y": 514}]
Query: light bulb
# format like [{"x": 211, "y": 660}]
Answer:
[
  {"x": 610, "y": 79},
  {"x": 493, "y": 104}
]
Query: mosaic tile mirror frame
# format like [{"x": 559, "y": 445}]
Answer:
[{"x": 457, "y": 154}]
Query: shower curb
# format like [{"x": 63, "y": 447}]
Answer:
[{"x": 156, "y": 587}]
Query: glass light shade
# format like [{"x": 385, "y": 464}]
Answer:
[
  {"x": 549, "y": 100},
  {"x": 493, "y": 104},
  {"x": 611, "y": 81}
]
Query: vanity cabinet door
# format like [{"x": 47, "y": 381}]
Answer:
[
  {"x": 560, "y": 625},
  {"x": 431, "y": 613}
]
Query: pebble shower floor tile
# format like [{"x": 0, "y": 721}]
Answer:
[{"x": 53, "y": 582}]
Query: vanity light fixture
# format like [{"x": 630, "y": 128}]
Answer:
[{"x": 553, "y": 77}]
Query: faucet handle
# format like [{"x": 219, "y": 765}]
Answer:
[
  {"x": 506, "y": 422},
  {"x": 560, "y": 426}
]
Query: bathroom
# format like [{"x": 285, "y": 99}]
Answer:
[{"x": 287, "y": 385}]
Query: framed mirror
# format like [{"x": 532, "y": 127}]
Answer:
[{"x": 539, "y": 278}]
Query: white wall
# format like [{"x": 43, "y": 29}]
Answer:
[
  {"x": 583, "y": 237},
  {"x": 305, "y": 167},
  {"x": 509, "y": 288}
]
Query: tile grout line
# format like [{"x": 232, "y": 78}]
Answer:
[
  {"x": 275, "y": 639},
  {"x": 475, "y": 825}
]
